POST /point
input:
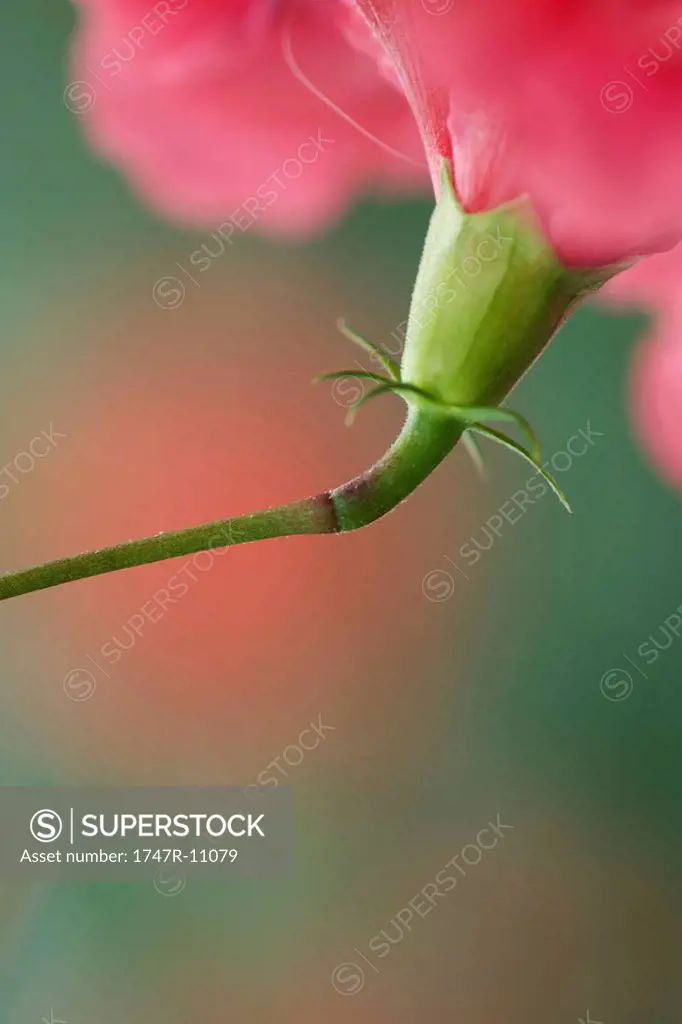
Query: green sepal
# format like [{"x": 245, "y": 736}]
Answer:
[
  {"x": 471, "y": 417},
  {"x": 508, "y": 442},
  {"x": 349, "y": 374},
  {"x": 368, "y": 346},
  {"x": 475, "y": 414},
  {"x": 382, "y": 389}
]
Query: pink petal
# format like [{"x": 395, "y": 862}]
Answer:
[
  {"x": 576, "y": 103},
  {"x": 656, "y": 387}
]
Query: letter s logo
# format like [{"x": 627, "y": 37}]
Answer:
[{"x": 46, "y": 826}]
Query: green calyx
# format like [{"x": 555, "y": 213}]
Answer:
[
  {"x": 469, "y": 418},
  {"x": 489, "y": 295}
]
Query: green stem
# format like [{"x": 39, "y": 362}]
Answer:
[{"x": 423, "y": 443}]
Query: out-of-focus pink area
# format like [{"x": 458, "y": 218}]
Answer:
[
  {"x": 203, "y": 112},
  {"x": 651, "y": 283},
  {"x": 655, "y": 285},
  {"x": 656, "y": 388}
]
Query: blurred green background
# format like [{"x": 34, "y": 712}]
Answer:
[{"x": 517, "y": 691}]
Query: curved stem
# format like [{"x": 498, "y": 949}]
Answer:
[
  {"x": 424, "y": 441},
  {"x": 426, "y": 438}
]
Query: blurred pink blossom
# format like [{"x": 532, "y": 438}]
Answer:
[
  {"x": 214, "y": 108},
  {"x": 655, "y": 285},
  {"x": 657, "y": 398}
]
